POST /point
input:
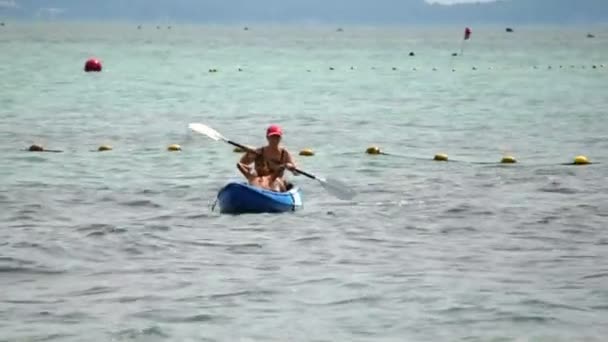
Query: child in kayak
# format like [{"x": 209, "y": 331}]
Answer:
[{"x": 264, "y": 177}]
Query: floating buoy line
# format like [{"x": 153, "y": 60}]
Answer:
[
  {"x": 373, "y": 150},
  {"x": 95, "y": 65},
  {"x": 394, "y": 68}
]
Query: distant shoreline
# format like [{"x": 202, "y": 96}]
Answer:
[{"x": 596, "y": 27}]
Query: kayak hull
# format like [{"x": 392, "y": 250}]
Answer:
[{"x": 241, "y": 198}]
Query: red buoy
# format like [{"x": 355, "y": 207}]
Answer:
[{"x": 92, "y": 65}]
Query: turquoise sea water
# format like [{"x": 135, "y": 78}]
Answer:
[{"x": 123, "y": 245}]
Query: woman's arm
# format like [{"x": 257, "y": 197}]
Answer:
[
  {"x": 245, "y": 170},
  {"x": 290, "y": 163},
  {"x": 249, "y": 156},
  {"x": 281, "y": 184}
]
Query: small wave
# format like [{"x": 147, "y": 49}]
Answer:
[
  {"x": 32, "y": 208},
  {"x": 596, "y": 275},
  {"x": 451, "y": 230},
  {"x": 483, "y": 213},
  {"x": 100, "y": 229},
  {"x": 132, "y": 250},
  {"x": 19, "y": 218},
  {"x": 49, "y": 337},
  {"x": 132, "y": 299},
  {"x": 574, "y": 231},
  {"x": 94, "y": 226},
  {"x": 76, "y": 317},
  {"x": 163, "y": 217},
  {"x": 107, "y": 198},
  {"x": 459, "y": 209},
  {"x": 142, "y": 203},
  {"x": 243, "y": 248},
  {"x": 246, "y": 293},
  {"x": 35, "y": 159},
  {"x": 568, "y": 257},
  {"x": 556, "y": 189},
  {"x": 31, "y": 301},
  {"x": 369, "y": 239},
  {"x": 194, "y": 318},
  {"x": 533, "y": 319},
  {"x": 149, "y": 192},
  {"x": 4, "y": 199},
  {"x": 314, "y": 281},
  {"x": 309, "y": 239},
  {"x": 217, "y": 244},
  {"x": 460, "y": 309},
  {"x": 360, "y": 262},
  {"x": 198, "y": 216},
  {"x": 248, "y": 229},
  {"x": 355, "y": 285},
  {"x": 166, "y": 316},
  {"x": 93, "y": 291},
  {"x": 417, "y": 229},
  {"x": 355, "y": 300},
  {"x": 550, "y": 305},
  {"x": 150, "y": 332},
  {"x": 548, "y": 219},
  {"x": 28, "y": 270}
]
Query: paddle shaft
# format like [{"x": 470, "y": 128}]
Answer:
[{"x": 274, "y": 161}]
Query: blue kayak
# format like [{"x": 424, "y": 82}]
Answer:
[{"x": 240, "y": 198}]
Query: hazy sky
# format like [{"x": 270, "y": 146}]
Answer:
[
  {"x": 456, "y": 1},
  {"x": 323, "y": 11}
]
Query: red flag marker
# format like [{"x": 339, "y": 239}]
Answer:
[{"x": 467, "y": 33}]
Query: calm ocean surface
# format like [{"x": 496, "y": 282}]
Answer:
[{"x": 123, "y": 245}]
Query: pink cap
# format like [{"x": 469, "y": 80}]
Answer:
[{"x": 274, "y": 130}]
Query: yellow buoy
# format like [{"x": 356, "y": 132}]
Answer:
[
  {"x": 441, "y": 157},
  {"x": 307, "y": 152},
  {"x": 36, "y": 148},
  {"x": 508, "y": 160},
  {"x": 581, "y": 160},
  {"x": 174, "y": 148},
  {"x": 104, "y": 148},
  {"x": 373, "y": 150}
]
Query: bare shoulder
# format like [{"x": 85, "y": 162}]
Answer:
[
  {"x": 258, "y": 151},
  {"x": 288, "y": 156},
  {"x": 286, "y": 151}
]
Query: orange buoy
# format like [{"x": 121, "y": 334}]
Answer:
[{"x": 92, "y": 65}]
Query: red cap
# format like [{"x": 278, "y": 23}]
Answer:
[{"x": 274, "y": 130}]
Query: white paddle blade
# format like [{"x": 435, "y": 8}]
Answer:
[
  {"x": 338, "y": 189},
  {"x": 206, "y": 130}
]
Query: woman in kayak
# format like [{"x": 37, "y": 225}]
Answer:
[
  {"x": 263, "y": 177},
  {"x": 278, "y": 157}
]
